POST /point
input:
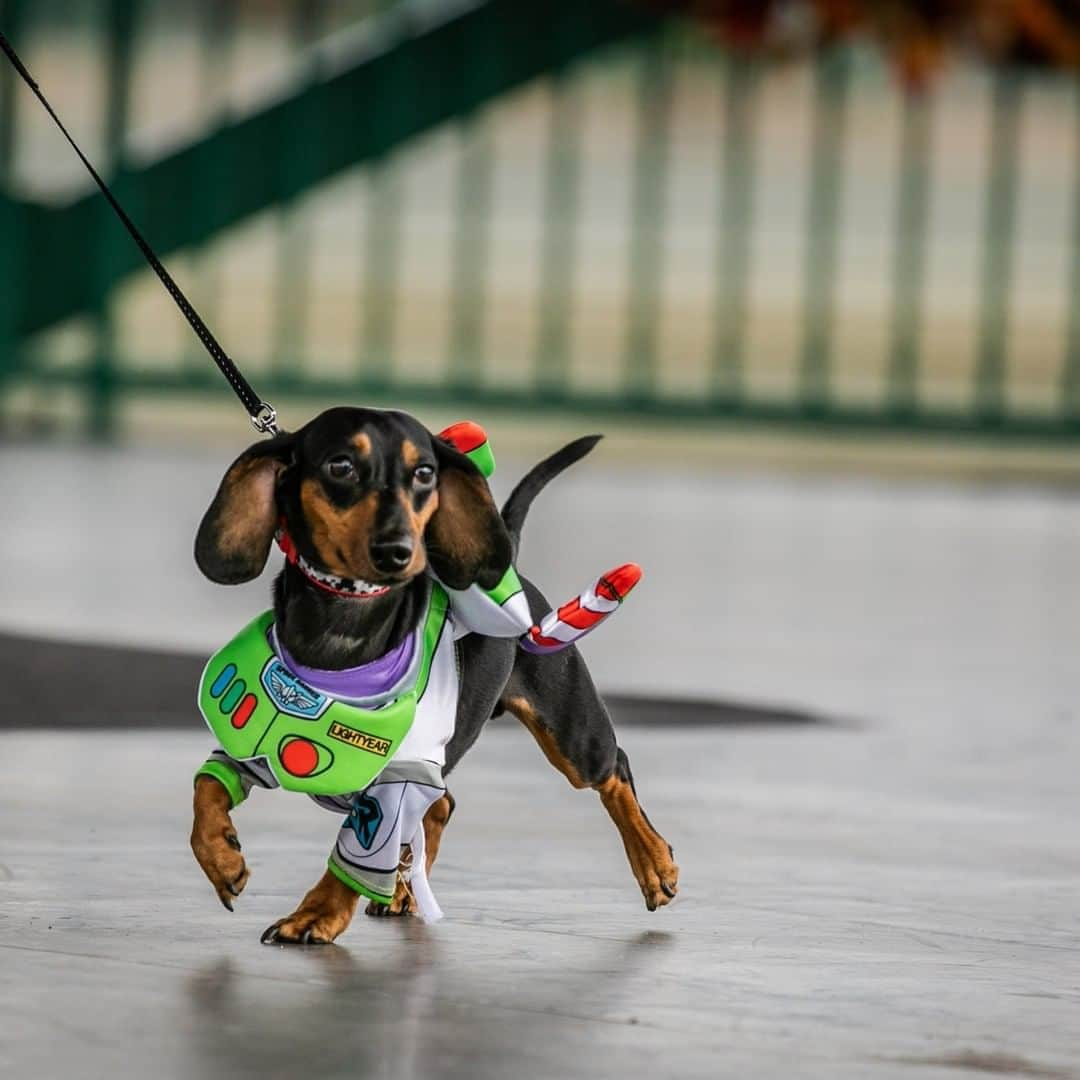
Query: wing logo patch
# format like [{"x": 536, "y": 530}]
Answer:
[{"x": 291, "y": 695}]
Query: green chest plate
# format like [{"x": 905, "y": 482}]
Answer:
[{"x": 313, "y": 743}]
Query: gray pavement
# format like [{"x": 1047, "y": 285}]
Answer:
[
  {"x": 851, "y": 907},
  {"x": 934, "y": 606},
  {"x": 890, "y": 895}
]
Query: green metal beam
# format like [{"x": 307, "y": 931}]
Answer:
[
  {"x": 562, "y": 208},
  {"x": 13, "y": 217},
  {"x": 532, "y": 37},
  {"x": 736, "y": 207},
  {"x": 832, "y": 87},
  {"x": 119, "y": 18},
  {"x": 832, "y": 416},
  {"x": 991, "y": 370},
  {"x": 909, "y": 262},
  {"x": 646, "y": 224}
]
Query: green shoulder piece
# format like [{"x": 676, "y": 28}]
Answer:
[
  {"x": 509, "y": 585},
  {"x": 483, "y": 458},
  {"x": 313, "y": 743}
]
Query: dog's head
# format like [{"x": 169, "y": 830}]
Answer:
[{"x": 364, "y": 494}]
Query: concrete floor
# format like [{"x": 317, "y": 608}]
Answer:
[
  {"x": 850, "y": 907},
  {"x": 920, "y": 604},
  {"x": 890, "y": 895}
]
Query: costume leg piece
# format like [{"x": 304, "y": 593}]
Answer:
[{"x": 381, "y": 819}]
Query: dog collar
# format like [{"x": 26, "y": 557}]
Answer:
[{"x": 331, "y": 583}]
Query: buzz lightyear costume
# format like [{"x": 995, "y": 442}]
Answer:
[{"x": 370, "y": 741}]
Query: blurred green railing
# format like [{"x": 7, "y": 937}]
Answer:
[{"x": 416, "y": 68}]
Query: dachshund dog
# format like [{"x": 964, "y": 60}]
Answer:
[{"x": 373, "y": 497}]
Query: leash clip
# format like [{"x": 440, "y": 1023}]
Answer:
[{"x": 264, "y": 419}]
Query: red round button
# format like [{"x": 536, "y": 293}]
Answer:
[{"x": 299, "y": 757}]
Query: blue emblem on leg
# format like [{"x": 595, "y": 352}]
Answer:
[{"x": 364, "y": 820}]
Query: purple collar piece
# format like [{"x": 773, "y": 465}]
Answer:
[{"x": 371, "y": 680}]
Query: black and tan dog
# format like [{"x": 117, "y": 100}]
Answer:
[{"x": 373, "y": 495}]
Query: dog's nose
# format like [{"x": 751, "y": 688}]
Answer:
[{"x": 391, "y": 556}]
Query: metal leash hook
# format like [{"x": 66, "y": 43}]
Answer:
[
  {"x": 263, "y": 416},
  {"x": 264, "y": 419}
]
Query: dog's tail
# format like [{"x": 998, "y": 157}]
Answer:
[{"x": 516, "y": 508}]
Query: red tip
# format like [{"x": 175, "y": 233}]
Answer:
[
  {"x": 464, "y": 436},
  {"x": 545, "y": 642},
  {"x": 617, "y": 583}
]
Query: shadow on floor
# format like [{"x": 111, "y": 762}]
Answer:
[{"x": 57, "y": 684}]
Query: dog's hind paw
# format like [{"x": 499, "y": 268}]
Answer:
[
  {"x": 402, "y": 904},
  {"x": 659, "y": 882}
]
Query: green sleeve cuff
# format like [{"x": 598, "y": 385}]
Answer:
[
  {"x": 356, "y": 886},
  {"x": 227, "y": 777}
]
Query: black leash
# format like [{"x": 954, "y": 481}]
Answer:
[{"x": 262, "y": 414}]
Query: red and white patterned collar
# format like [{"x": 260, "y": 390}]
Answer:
[{"x": 356, "y": 588}]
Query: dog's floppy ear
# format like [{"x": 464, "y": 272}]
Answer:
[
  {"x": 234, "y": 538},
  {"x": 466, "y": 539}
]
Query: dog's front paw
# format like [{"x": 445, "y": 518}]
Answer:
[
  {"x": 217, "y": 851},
  {"x": 323, "y": 915}
]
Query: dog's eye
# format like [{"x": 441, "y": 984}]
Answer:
[
  {"x": 423, "y": 475},
  {"x": 340, "y": 468}
]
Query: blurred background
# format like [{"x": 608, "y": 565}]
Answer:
[
  {"x": 815, "y": 215},
  {"x": 771, "y": 248}
]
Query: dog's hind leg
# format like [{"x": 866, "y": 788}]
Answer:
[
  {"x": 485, "y": 665},
  {"x": 650, "y": 855},
  {"x": 435, "y": 821},
  {"x": 568, "y": 721}
]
